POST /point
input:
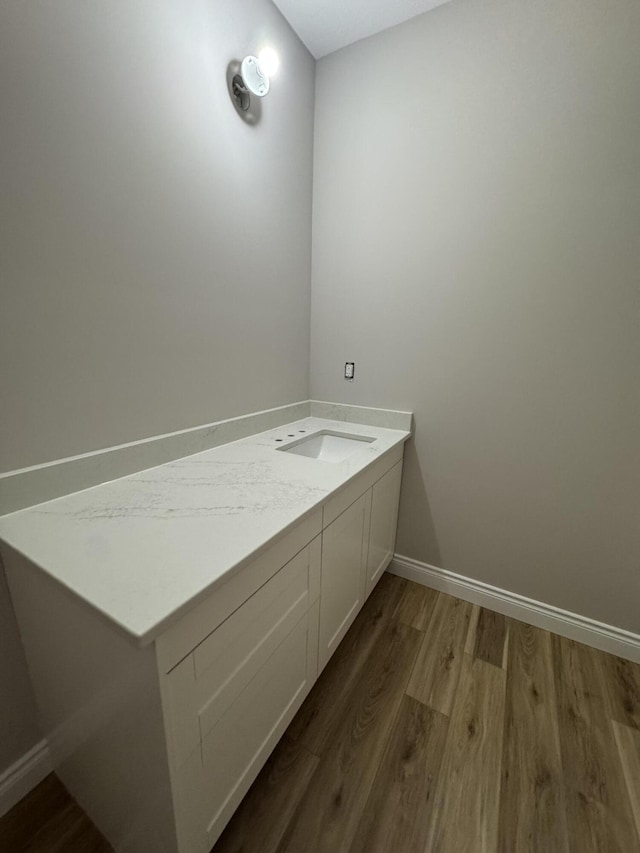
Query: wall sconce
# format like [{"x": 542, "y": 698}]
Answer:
[{"x": 253, "y": 78}]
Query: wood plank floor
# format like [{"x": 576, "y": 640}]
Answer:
[
  {"x": 437, "y": 727},
  {"x": 48, "y": 820}
]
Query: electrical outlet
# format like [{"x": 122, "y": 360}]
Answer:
[{"x": 349, "y": 370}]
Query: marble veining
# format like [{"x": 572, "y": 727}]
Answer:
[
  {"x": 23, "y": 488},
  {"x": 142, "y": 547}
]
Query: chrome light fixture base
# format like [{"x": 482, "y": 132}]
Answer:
[{"x": 240, "y": 93}]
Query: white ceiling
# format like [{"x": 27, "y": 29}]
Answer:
[{"x": 326, "y": 25}]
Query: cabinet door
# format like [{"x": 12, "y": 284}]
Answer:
[
  {"x": 228, "y": 702},
  {"x": 384, "y": 520},
  {"x": 209, "y": 786},
  {"x": 344, "y": 562}
]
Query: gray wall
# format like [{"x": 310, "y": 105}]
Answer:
[
  {"x": 156, "y": 251},
  {"x": 155, "y": 258},
  {"x": 477, "y": 253}
]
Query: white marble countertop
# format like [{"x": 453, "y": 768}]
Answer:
[{"x": 141, "y": 548}]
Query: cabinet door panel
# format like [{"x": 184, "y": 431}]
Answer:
[
  {"x": 210, "y": 679},
  {"x": 384, "y": 520},
  {"x": 344, "y": 559},
  {"x": 210, "y": 785},
  {"x": 236, "y": 748}
]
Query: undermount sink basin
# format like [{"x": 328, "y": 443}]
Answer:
[{"x": 328, "y": 446}]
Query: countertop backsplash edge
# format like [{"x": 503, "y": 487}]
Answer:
[
  {"x": 40, "y": 483},
  {"x": 37, "y": 484}
]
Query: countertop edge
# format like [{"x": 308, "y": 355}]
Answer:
[{"x": 157, "y": 628}]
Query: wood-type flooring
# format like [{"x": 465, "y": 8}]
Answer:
[{"x": 437, "y": 727}]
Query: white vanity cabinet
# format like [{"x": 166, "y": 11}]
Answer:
[
  {"x": 357, "y": 547},
  {"x": 160, "y": 743},
  {"x": 344, "y": 563}
]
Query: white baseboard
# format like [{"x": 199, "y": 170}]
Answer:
[
  {"x": 608, "y": 638},
  {"x": 27, "y": 772}
]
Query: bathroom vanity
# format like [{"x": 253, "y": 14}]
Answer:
[{"x": 174, "y": 620}]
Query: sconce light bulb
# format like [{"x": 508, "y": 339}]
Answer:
[{"x": 269, "y": 61}]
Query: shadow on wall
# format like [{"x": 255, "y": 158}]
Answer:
[{"x": 415, "y": 522}]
